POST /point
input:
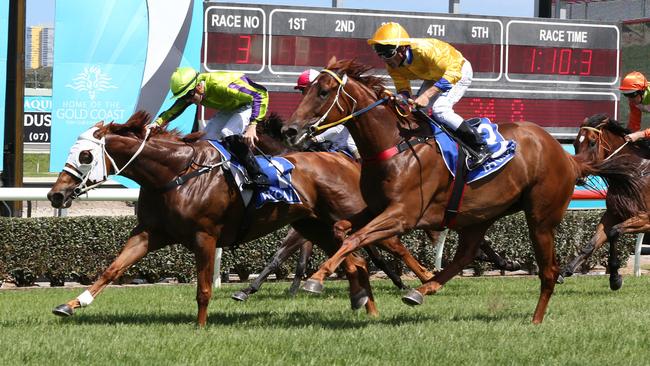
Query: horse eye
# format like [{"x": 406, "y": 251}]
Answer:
[
  {"x": 592, "y": 143},
  {"x": 323, "y": 93},
  {"x": 85, "y": 157}
]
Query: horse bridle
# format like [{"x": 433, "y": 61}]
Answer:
[
  {"x": 316, "y": 127},
  {"x": 83, "y": 171},
  {"x": 601, "y": 142}
]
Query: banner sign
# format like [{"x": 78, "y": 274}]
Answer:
[
  {"x": 4, "y": 31},
  {"x": 108, "y": 65},
  {"x": 37, "y": 119}
]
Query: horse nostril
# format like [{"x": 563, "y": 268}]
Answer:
[{"x": 55, "y": 198}]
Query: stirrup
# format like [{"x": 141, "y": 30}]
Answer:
[{"x": 476, "y": 161}]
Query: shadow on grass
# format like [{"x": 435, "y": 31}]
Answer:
[{"x": 288, "y": 320}]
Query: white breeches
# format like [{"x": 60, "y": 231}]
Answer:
[{"x": 442, "y": 106}]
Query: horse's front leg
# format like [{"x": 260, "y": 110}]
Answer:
[
  {"x": 613, "y": 264},
  {"x": 289, "y": 245},
  {"x": 306, "y": 250},
  {"x": 387, "y": 224},
  {"x": 204, "y": 252},
  {"x": 137, "y": 246},
  {"x": 597, "y": 240}
]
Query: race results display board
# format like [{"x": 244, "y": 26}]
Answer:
[{"x": 550, "y": 72}]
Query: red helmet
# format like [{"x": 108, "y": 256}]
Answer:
[
  {"x": 632, "y": 82},
  {"x": 306, "y": 78}
]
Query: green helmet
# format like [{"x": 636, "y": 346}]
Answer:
[{"x": 182, "y": 81}]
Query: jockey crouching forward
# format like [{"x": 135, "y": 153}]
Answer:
[
  {"x": 446, "y": 75},
  {"x": 240, "y": 102},
  {"x": 338, "y": 137}
]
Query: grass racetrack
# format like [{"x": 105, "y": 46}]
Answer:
[{"x": 472, "y": 321}]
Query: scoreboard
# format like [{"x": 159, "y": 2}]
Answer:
[{"x": 551, "y": 72}]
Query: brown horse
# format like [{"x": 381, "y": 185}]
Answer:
[
  {"x": 270, "y": 135},
  {"x": 600, "y": 138},
  {"x": 207, "y": 210},
  {"x": 411, "y": 189}
]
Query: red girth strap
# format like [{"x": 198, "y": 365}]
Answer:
[{"x": 392, "y": 151}]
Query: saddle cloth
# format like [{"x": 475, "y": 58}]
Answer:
[
  {"x": 502, "y": 150},
  {"x": 278, "y": 170}
]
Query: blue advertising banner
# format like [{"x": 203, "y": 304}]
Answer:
[
  {"x": 113, "y": 57},
  {"x": 4, "y": 31}
]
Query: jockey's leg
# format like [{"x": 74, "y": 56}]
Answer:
[{"x": 245, "y": 156}]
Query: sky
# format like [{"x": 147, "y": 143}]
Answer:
[{"x": 41, "y": 12}]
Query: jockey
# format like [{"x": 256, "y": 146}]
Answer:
[
  {"x": 446, "y": 75},
  {"x": 338, "y": 136},
  {"x": 635, "y": 87},
  {"x": 240, "y": 102}
]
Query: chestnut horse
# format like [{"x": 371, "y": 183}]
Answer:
[
  {"x": 600, "y": 138},
  {"x": 269, "y": 133},
  {"x": 411, "y": 189},
  {"x": 207, "y": 210}
]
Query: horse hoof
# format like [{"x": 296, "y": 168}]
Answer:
[
  {"x": 313, "y": 286},
  {"x": 560, "y": 280},
  {"x": 239, "y": 296},
  {"x": 359, "y": 300},
  {"x": 616, "y": 282},
  {"x": 63, "y": 310},
  {"x": 412, "y": 298}
]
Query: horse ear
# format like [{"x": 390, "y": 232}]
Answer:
[
  {"x": 331, "y": 62},
  {"x": 585, "y": 121},
  {"x": 99, "y": 124},
  {"x": 606, "y": 120}
]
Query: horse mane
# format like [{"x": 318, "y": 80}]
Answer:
[
  {"x": 136, "y": 126},
  {"x": 358, "y": 71},
  {"x": 618, "y": 129}
]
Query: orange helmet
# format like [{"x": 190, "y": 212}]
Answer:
[
  {"x": 390, "y": 34},
  {"x": 632, "y": 82}
]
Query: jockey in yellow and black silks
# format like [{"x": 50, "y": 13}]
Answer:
[
  {"x": 240, "y": 103},
  {"x": 446, "y": 75}
]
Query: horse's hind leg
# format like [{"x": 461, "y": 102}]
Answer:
[
  {"x": 289, "y": 245},
  {"x": 597, "y": 240},
  {"x": 615, "y": 279},
  {"x": 376, "y": 258},
  {"x": 468, "y": 242},
  {"x": 306, "y": 250},
  {"x": 136, "y": 247},
  {"x": 493, "y": 257}
]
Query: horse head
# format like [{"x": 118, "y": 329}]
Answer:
[
  {"x": 102, "y": 150},
  {"x": 599, "y": 137},
  {"x": 343, "y": 93}
]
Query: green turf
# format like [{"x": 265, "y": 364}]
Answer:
[
  {"x": 484, "y": 321},
  {"x": 37, "y": 165}
]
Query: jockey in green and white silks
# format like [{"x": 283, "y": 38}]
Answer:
[{"x": 240, "y": 102}]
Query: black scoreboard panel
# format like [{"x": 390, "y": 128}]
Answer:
[{"x": 553, "y": 73}]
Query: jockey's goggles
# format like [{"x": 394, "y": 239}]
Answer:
[
  {"x": 385, "y": 51},
  {"x": 633, "y": 93}
]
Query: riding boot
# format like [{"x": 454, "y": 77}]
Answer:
[
  {"x": 238, "y": 147},
  {"x": 473, "y": 139}
]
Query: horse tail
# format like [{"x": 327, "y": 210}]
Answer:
[{"x": 625, "y": 188}]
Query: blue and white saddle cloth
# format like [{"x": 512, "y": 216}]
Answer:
[
  {"x": 278, "y": 170},
  {"x": 502, "y": 150}
]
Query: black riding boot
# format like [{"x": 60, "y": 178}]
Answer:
[
  {"x": 473, "y": 139},
  {"x": 238, "y": 147}
]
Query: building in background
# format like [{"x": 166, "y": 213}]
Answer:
[{"x": 39, "y": 42}]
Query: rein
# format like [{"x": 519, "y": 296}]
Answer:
[
  {"x": 599, "y": 130},
  {"x": 342, "y": 81}
]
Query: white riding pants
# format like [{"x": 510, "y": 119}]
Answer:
[
  {"x": 442, "y": 105},
  {"x": 230, "y": 123}
]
